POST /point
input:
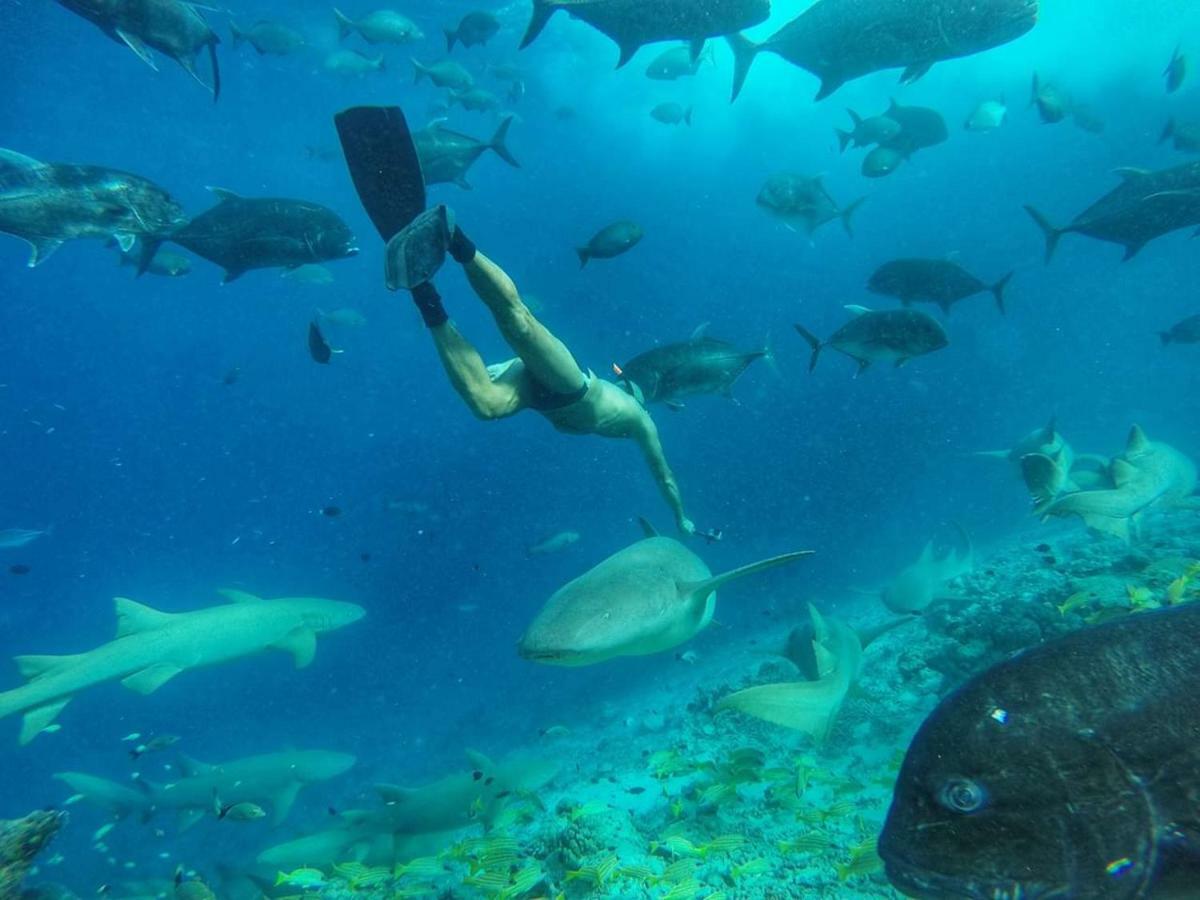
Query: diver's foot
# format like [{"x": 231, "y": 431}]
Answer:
[
  {"x": 417, "y": 251},
  {"x": 429, "y": 305}
]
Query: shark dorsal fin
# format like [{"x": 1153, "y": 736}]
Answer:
[
  {"x": 647, "y": 529},
  {"x": 1138, "y": 442},
  {"x": 926, "y": 554},
  {"x": 1122, "y": 472},
  {"x": 699, "y": 332},
  {"x": 233, "y": 595},
  {"x": 393, "y": 793},
  {"x": 855, "y": 310},
  {"x": 191, "y": 767},
  {"x": 480, "y": 761},
  {"x": 224, "y": 194},
  {"x": 135, "y": 618},
  {"x": 11, "y": 159},
  {"x": 820, "y": 629}
]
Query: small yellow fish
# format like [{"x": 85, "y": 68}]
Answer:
[
  {"x": 555, "y": 731},
  {"x": 1076, "y": 600},
  {"x": 1141, "y": 597},
  {"x": 813, "y": 842},
  {"x": 725, "y": 843},
  {"x": 1176, "y": 590},
  {"x": 750, "y": 868},
  {"x": 858, "y": 866}
]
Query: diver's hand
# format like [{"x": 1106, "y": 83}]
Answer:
[{"x": 686, "y": 525}]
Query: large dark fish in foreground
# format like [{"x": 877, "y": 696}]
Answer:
[
  {"x": 884, "y": 335},
  {"x": 1069, "y": 771},
  {"x": 701, "y": 365},
  {"x": 1145, "y": 205},
  {"x": 840, "y": 40},
  {"x": 937, "y": 281},
  {"x": 172, "y": 27},
  {"x": 446, "y": 155},
  {"x": 243, "y": 233},
  {"x": 632, "y": 23},
  {"x": 49, "y": 203}
]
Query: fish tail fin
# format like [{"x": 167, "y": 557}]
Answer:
[
  {"x": 147, "y": 247},
  {"x": 844, "y": 139},
  {"x": 1174, "y": 59},
  {"x": 1035, "y": 89},
  {"x": 345, "y": 24},
  {"x": 451, "y": 37},
  {"x": 584, "y": 255},
  {"x": 997, "y": 290},
  {"x": 813, "y": 341},
  {"x": 1165, "y": 337},
  {"x": 1168, "y": 131},
  {"x": 744, "y": 52},
  {"x": 498, "y": 143},
  {"x": 1052, "y": 234},
  {"x": 418, "y": 71},
  {"x": 768, "y": 355},
  {"x": 237, "y": 33},
  {"x": 848, "y": 212},
  {"x": 687, "y": 116},
  {"x": 381, "y": 63},
  {"x": 542, "y": 11}
]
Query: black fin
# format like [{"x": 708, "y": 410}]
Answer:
[
  {"x": 383, "y": 164},
  {"x": 216, "y": 68}
]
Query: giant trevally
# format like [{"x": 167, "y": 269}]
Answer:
[
  {"x": 163, "y": 262},
  {"x": 446, "y": 155},
  {"x": 243, "y": 233},
  {"x": 445, "y": 74},
  {"x": 875, "y": 130},
  {"x": 172, "y": 27},
  {"x": 46, "y": 204},
  {"x": 700, "y": 365},
  {"x": 939, "y": 281},
  {"x": 987, "y": 116},
  {"x": 920, "y": 127},
  {"x": 1068, "y": 771},
  {"x": 632, "y": 23},
  {"x": 644, "y": 599},
  {"x": 677, "y": 62},
  {"x": 885, "y": 335},
  {"x": 840, "y": 40},
  {"x": 15, "y": 538},
  {"x": 1145, "y": 205},
  {"x": 1175, "y": 71},
  {"x": 384, "y": 26},
  {"x": 1183, "y": 136},
  {"x": 1052, "y": 104},
  {"x": 152, "y": 647},
  {"x": 1186, "y": 331},
  {"x": 804, "y": 199}
]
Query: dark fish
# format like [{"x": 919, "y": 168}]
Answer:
[
  {"x": 444, "y": 74},
  {"x": 447, "y": 155},
  {"x": 1175, "y": 71},
  {"x": 476, "y": 99},
  {"x": 638, "y": 789},
  {"x": 20, "y": 569},
  {"x": 1051, "y": 104},
  {"x": 1145, "y": 205},
  {"x": 1069, "y": 771},
  {"x": 677, "y": 63},
  {"x": 268, "y": 38},
  {"x": 840, "y": 40},
  {"x": 1185, "y": 332},
  {"x": 47, "y": 204},
  {"x": 875, "y": 130},
  {"x": 331, "y": 511},
  {"x": 937, "y": 281},
  {"x": 800, "y": 198},
  {"x": 243, "y": 233},
  {"x": 232, "y": 376},
  {"x": 322, "y": 353},
  {"x": 1086, "y": 120},
  {"x": 1183, "y": 136},
  {"x": 887, "y": 335},
  {"x": 172, "y": 27},
  {"x": 672, "y": 113},
  {"x": 611, "y": 240},
  {"x": 632, "y": 23},
  {"x": 164, "y": 262},
  {"x": 701, "y": 365},
  {"x": 474, "y": 28},
  {"x": 881, "y": 161},
  {"x": 1043, "y": 548},
  {"x": 920, "y": 127},
  {"x": 154, "y": 745}
]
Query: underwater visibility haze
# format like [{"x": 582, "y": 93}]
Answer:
[{"x": 592, "y": 448}]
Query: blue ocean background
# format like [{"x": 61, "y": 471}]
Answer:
[{"x": 163, "y": 483}]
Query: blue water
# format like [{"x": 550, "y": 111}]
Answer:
[{"x": 163, "y": 484}]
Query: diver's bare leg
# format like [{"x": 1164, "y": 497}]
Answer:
[
  {"x": 546, "y": 358},
  {"x": 469, "y": 376}
]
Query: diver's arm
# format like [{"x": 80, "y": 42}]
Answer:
[{"x": 646, "y": 435}]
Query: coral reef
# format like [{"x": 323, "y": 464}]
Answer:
[{"x": 21, "y": 840}]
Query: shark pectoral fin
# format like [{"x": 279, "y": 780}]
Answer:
[
  {"x": 1117, "y": 527},
  {"x": 233, "y": 595},
  {"x": 393, "y": 793},
  {"x": 283, "y": 802},
  {"x": 808, "y": 706},
  {"x": 480, "y": 761},
  {"x": 151, "y": 678},
  {"x": 189, "y": 817},
  {"x": 135, "y": 44},
  {"x": 42, "y": 248},
  {"x": 301, "y": 643},
  {"x": 125, "y": 240},
  {"x": 827, "y": 661},
  {"x": 915, "y": 71},
  {"x": 37, "y": 720},
  {"x": 191, "y": 767},
  {"x": 1122, "y": 472},
  {"x": 136, "y": 618},
  {"x": 706, "y": 587}
]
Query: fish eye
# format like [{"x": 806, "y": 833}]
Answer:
[{"x": 962, "y": 795}]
